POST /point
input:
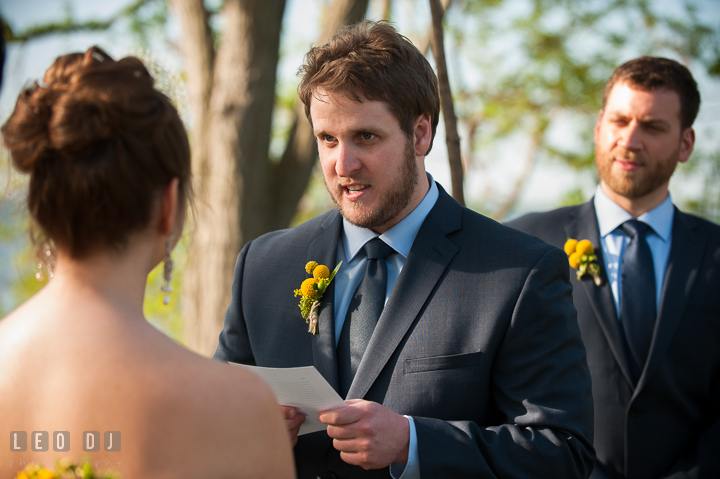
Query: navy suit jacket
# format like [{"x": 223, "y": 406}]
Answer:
[
  {"x": 478, "y": 342},
  {"x": 667, "y": 424}
]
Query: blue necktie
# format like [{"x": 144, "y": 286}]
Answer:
[
  {"x": 637, "y": 298},
  {"x": 363, "y": 313}
]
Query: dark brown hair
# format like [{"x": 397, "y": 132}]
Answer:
[
  {"x": 99, "y": 142},
  {"x": 373, "y": 60},
  {"x": 652, "y": 73}
]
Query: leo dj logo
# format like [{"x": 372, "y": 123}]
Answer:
[{"x": 40, "y": 441}]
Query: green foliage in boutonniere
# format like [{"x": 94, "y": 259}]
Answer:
[
  {"x": 311, "y": 291},
  {"x": 582, "y": 257}
]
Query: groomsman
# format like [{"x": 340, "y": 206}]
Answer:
[{"x": 652, "y": 325}]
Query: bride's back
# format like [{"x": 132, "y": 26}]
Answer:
[{"x": 109, "y": 165}]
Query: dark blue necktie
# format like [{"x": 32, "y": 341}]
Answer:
[
  {"x": 637, "y": 298},
  {"x": 363, "y": 313}
]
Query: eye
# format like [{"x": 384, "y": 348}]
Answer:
[
  {"x": 367, "y": 136},
  {"x": 656, "y": 128},
  {"x": 327, "y": 138}
]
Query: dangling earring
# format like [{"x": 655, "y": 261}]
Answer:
[
  {"x": 46, "y": 258},
  {"x": 167, "y": 271}
]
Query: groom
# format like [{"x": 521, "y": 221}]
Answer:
[{"x": 453, "y": 338}]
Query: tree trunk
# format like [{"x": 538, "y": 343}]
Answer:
[
  {"x": 239, "y": 193},
  {"x": 451, "y": 131},
  {"x": 232, "y": 122}
]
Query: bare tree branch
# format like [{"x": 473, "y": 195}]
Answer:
[
  {"x": 452, "y": 138},
  {"x": 70, "y": 26}
]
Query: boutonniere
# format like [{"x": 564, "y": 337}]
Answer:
[
  {"x": 582, "y": 257},
  {"x": 311, "y": 291}
]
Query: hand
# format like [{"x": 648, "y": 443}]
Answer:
[
  {"x": 293, "y": 421},
  {"x": 367, "y": 434}
]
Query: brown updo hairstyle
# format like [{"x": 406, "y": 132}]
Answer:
[{"x": 99, "y": 142}]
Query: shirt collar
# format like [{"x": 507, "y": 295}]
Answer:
[
  {"x": 610, "y": 215},
  {"x": 401, "y": 236}
]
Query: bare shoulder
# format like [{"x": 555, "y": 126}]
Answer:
[{"x": 228, "y": 417}]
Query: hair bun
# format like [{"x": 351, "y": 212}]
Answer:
[
  {"x": 99, "y": 141},
  {"x": 72, "y": 112},
  {"x": 26, "y": 132}
]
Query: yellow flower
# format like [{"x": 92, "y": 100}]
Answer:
[
  {"x": 321, "y": 272},
  {"x": 570, "y": 245},
  {"x": 307, "y": 287},
  {"x": 22, "y": 475},
  {"x": 585, "y": 247},
  {"x": 574, "y": 260},
  {"x": 45, "y": 474},
  {"x": 310, "y": 267}
]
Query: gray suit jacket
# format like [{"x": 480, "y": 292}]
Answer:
[
  {"x": 668, "y": 424},
  {"x": 478, "y": 342}
]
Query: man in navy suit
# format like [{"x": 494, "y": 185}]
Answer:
[
  {"x": 475, "y": 366},
  {"x": 655, "y": 371}
]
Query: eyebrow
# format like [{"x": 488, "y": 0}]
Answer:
[{"x": 642, "y": 121}]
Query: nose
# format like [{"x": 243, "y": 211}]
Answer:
[
  {"x": 630, "y": 136},
  {"x": 346, "y": 160}
]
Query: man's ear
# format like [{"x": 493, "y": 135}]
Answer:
[
  {"x": 422, "y": 134},
  {"x": 596, "y": 132},
  {"x": 687, "y": 142},
  {"x": 169, "y": 207}
]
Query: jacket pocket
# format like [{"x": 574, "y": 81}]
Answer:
[{"x": 437, "y": 363}]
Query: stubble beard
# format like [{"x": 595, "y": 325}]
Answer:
[
  {"x": 391, "y": 204},
  {"x": 631, "y": 184}
]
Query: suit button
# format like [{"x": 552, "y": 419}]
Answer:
[
  {"x": 634, "y": 412},
  {"x": 329, "y": 475}
]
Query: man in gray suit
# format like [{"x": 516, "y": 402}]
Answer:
[
  {"x": 473, "y": 364},
  {"x": 655, "y": 363}
]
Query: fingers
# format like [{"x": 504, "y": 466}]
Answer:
[
  {"x": 293, "y": 421},
  {"x": 368, "y": 434},
  {"x": 353, "y": 412}
]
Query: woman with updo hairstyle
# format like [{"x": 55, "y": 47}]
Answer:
[{"x": 109, "y": 166}]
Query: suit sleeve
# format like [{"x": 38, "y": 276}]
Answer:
[
  {"x": 540, "y": 388},
  {"x": 234, "y": 343}
]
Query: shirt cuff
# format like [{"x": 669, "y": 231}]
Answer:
[{"x": 412, "y": 469}]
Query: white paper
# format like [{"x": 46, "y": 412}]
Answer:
[{"x": 302, "y": 388}]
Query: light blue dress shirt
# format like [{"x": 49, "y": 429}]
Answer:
[
  {"x": 350, "y": 251},
  {"x": 614, "y": 240}
]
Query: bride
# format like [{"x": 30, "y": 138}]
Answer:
[{"x": 109, "y": 167}]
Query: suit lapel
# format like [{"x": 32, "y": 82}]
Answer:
[
  {"x": 684, "y": 263},
  {"x": 585, "y": 226},
  {"x": 428, "y": 259},
  {"x": 324, "y": 250}
]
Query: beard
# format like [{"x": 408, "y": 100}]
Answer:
[
  {"x": 391, "y": 204},
  {"x": 632, "y": 184}
]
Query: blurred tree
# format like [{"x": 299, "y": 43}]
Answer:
[{"x": 242, "y": 192}]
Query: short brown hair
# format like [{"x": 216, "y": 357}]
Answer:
[
  {"x": 99, "y": 142},
  {"x": 652, "y": 73},
  {"x": 373, "y": 59}
]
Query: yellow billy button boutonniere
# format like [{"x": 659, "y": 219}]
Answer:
[
  {"x": 311, "y": 291},
  {"x": 582, "y": 257}
]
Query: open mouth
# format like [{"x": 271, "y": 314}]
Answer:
[
  {"x": 354, "y": 191},
  {"x": 627, "y": 164}
]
